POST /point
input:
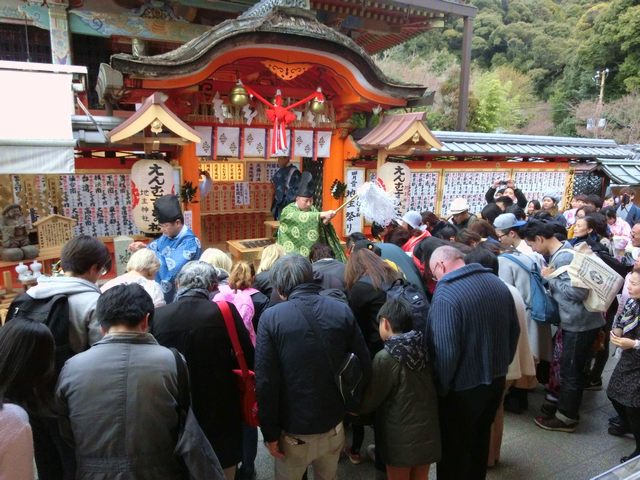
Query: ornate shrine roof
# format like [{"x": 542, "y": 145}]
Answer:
[{"x": 281, "y": 26}]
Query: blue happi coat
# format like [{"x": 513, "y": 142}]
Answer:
[{"x": 173, "y": 253}]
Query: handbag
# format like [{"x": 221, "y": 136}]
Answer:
[
  {"x": 193, "y": 447},
  {"x": 246, "y": 378},
  {"x": 589, "y": 271},
  {"x": 348, "y": 376}
]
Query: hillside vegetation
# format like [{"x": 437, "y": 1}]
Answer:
[{"x": 533, "y": 67}]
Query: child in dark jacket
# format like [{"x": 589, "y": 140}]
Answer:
[{"x": 404, "y": 397}]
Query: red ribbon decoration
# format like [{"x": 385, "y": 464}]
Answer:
[{"x": 282, "y": 116}]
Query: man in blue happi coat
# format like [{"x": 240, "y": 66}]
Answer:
[{"x": 175, "y": 247}]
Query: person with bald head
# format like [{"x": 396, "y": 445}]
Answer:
[{"x": 472, "y": 333}]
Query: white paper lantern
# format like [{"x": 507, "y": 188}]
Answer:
[
  {"x": 150, "y": 179},
  {"x": 396, "y": 178}
]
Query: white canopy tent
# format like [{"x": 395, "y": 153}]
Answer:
[{"x": 37, "y": 103}]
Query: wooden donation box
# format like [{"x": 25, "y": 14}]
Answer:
[
  {"x": 53, "y": 232},
  {"x": 248, "y": 250},
  {"x": 271, "y": 226}
]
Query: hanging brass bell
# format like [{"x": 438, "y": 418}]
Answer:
[
  {"x": 316, "y": 106},
  {"x": 239, "y": 96}
]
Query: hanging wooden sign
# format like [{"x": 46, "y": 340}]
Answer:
[{"x": 353, "y": 220}]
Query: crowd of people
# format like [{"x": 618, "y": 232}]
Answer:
[{"x": 433, "y": 323}]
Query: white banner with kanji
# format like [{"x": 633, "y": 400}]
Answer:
[{"x": 353, "y": 220}]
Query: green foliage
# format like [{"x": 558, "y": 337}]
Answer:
[
  {"x": 188, "y": 192},
  {"x": 503, "y": 96},
  {"x": 492, "y": 104},
  {"x": 556, "y": 44}
]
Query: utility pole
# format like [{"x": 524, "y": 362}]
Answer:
[{"x": 599, "y": 78}]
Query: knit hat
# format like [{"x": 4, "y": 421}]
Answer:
[
  {"x": 552, "y": 196},
  {"x": 167, "y": 209},
  {"x": 412, "y": 218},
  {"x": 458, "y": 205}
]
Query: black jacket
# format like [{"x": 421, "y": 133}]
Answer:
[
  {"x": 263, "y": 283},
  {"x": 260, "y": 303},
  {"x": 295, "y": 384},
  {"x": 329, "y": 273},
  {"x": 194, "y": 325},
  {"x": 365, "y": 302},
  {"x": 522, "y": 200}
]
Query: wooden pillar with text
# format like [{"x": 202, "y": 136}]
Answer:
[{"x": 333, "y": 169}]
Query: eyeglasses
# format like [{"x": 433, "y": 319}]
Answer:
[
  {"x": 501, "y": 235},
  {"x": 433, "y": 270}
]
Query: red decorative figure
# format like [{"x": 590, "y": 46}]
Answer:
[{"x": 282, "y": 116}]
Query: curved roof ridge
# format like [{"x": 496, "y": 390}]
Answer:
[{"x": 279, "y": 20}]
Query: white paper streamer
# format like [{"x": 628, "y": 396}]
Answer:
[{"x": 376, "y": 204}]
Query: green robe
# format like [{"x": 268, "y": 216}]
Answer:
[{"x": 299, "y": 230}]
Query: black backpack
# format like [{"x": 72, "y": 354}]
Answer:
[
  {"x": 415, "y": 298},
  {"x": 54, "y": 313}
]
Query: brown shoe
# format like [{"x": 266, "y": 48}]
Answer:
[{"x": 554, "y": 424}]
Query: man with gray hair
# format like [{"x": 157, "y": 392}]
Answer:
[
  {"x": 472, "y": 333},
  {"x": 195, "y": 327},
  {"x": 300, "y": 406}
]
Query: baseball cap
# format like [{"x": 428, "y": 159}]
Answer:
[
  {"x": 507, "y": 221},
  {"x": 412, "y": 218}
]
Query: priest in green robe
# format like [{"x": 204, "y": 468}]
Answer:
[{"x": 302, "y": 224}]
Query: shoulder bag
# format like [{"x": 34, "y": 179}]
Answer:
[{"x": 246, "y": 378}]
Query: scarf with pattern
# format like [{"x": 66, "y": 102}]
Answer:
[
  {"x": 408, "y": 349},
  {"x": 628, "y": 319}
]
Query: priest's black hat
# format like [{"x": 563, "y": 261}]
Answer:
[
  {"x": 305, "y": 186},
  {"x": 167, "y": 209}
]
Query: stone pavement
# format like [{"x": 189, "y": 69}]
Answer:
[{"x": 528, "y": 452}]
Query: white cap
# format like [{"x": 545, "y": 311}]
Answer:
[{"x": 412, "y": 218}]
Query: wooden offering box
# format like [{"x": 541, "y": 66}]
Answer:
[
  {"x": 270, "y": 227},
  {"x": 248, "y": 250}
]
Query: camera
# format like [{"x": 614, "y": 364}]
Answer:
[{"x": 503, "y": 182}]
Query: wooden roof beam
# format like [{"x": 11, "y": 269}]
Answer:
[{"x": 442, "y": 6}]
